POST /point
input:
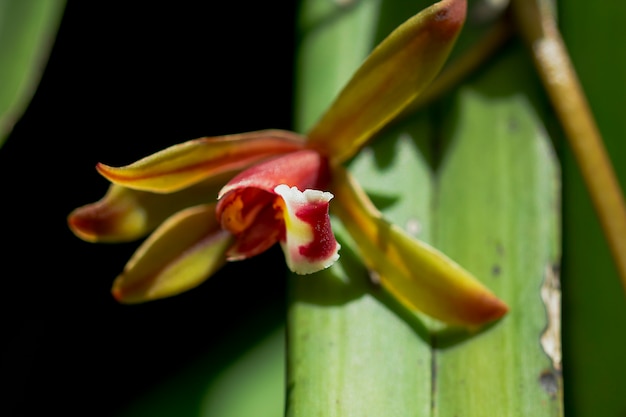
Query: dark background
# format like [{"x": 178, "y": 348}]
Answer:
[{"x": 123, "y": 81}]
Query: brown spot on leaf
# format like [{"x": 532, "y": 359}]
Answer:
[{"x": 549, "y": 381}]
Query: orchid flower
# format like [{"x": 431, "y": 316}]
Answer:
[{"x": 275, "y": 186}]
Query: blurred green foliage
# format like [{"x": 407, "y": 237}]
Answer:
[
  {"x": 27, "y": 33},
  {"x": 594, "y": 305}
]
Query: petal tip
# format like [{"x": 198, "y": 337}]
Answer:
[
  {"x": 123, "y": 297},
  {"x": 450, "y": 17},
  {"x": 103, "y": 169},
  {"x": 487, "y": 309},
  {"x": 82, "y": 225},
  {"x": 126, "y": 292},
  {"x": 117, "y": 294},
  {"x": 103, "y": 221}
]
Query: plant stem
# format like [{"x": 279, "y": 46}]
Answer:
[{"x": 538, "y": 26}]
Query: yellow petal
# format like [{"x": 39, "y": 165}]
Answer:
[
  {"x": 398, "y": 70},
  {"x": 187, "y": 163},
  {"x": 123, "y": 214},
  {"x": 182, "y": 253},
  {"x": 418, "y": 275}
]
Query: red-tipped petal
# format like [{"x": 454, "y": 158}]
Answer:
[
  {"x": 124, "y": 214},
  {"x": 418, "y": 275},
  {"x": 188, "y": 163},
  {"x": 183, "y": 252},
  {"x": 394, "y": 74}
]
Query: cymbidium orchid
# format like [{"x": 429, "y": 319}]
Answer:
[{"x": 228, "y": 198}]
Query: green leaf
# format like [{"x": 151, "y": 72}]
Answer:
[
  {"x": 488, "y": 197},
  {"x": 253, "y": 385},
  {"x": 352, "y": 351},
  {"x": 242, "y": 375},
  {"x": 27, "y": 32},
  {"x": 497, "y": 215},
  {"x": 594, "y": 301}
]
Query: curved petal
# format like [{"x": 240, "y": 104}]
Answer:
[
  {"x": 186, "y": 250},
  {"x": 418, "y": 275},
  {"x": 393, "y": 75},
  {"x": 187, "y": 163},
  {"x": 309, "y": 244},
  {"x": 302, "y": 169},
  {"x": 123, "y": 214}
]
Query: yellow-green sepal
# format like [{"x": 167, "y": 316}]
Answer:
[
  {"x": 418, "y": 275},
  {"x": 181, "y": 254},
  {"x": 124, "y": 214},
  {"x": 191, "y": 162},
  {"x": 393, "y": 75}
]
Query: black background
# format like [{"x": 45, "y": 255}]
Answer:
[{"x": 124, "y": 80}]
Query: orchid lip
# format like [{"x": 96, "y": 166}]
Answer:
[{"x": 309, "y": 243}]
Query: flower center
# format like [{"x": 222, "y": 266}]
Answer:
[{"x": 243, "y": 208}]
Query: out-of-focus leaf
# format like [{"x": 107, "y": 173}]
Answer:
[
  {"x": 252, "y": 386},
  {"x": 27, "y": 32},
  {"x": 244, "y": 375},
  {"x": 594, "y": 302}
]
